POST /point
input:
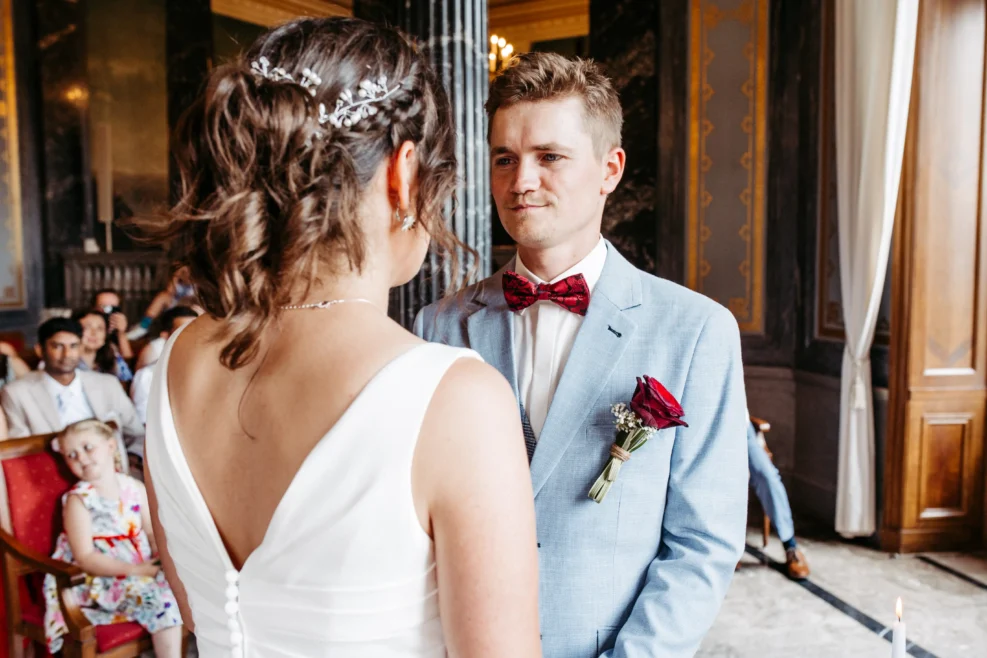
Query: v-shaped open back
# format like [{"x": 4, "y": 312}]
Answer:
[{"x": 344, "y": 568}]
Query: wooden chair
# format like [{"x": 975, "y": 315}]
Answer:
[
  {"x": 32, "y": 481},
  {"x": 765, "y": 427}
]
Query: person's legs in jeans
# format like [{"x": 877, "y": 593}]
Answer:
[{"x": 770, "y": 490}]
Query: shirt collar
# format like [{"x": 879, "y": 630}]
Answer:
[
  {"x": 591, "y": 267},
  {"x": 55, "y": 387}
]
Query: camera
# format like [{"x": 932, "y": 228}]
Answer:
[{"x": 110, "y": 310}]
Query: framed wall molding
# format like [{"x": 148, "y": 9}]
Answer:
[
  {"x": 829, "y": 298},
  {"x": 12, "y": 289},
  {"x": 728, "y": 65}
]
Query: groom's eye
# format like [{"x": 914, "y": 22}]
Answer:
[
  {"x": 502, "y": 162},
  {"x": 552, "y": 157}
]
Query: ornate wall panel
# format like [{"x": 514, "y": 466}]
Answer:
[
  {"x": 727, "y": 155},
  {"x": 12, "y": 290}
]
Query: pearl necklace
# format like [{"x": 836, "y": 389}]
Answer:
[{"x": 325, "y": 304}]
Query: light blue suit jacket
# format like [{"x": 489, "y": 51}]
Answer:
[{"x": 642, "y": 574}]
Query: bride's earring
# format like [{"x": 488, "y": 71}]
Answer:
[{"x": 407, "y": 221}]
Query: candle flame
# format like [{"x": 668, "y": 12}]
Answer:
[{"x": 897, "y": 608}]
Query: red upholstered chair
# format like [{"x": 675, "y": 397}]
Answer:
[{"x": 32, "y": 481}]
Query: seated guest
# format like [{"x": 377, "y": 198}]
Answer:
[
  {"x": 771, "y": 492},
  {"x": 108, "y": 534},
  {"x": 12, "y": 366},
  {"x": 162, "y": 328},
  {"x": 140, "y": 389},
  {"x": 98, "y": 352},
  {"x": 43, "y": 402},
  {"x": 109, "y": 302},
  {"x": 179, "y": 288}
]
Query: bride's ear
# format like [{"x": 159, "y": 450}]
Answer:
[{"x": 402, "y": 175}]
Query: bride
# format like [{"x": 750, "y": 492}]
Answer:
[{"x": 323, "y": 482}]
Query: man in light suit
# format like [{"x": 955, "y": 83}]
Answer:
[
  {"x": 42, "y": 402},
  {"x": 643, "y": 573}
]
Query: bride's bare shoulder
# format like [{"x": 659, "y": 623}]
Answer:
[{"x": 471, "y": 413}]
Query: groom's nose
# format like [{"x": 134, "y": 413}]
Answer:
[{"x": 525, "y": 177}]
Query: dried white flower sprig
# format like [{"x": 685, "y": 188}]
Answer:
[
  {"x": 350, "y": 111},
  {"x": 627, "y": 420}
]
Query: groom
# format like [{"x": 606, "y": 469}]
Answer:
[{"x": 571, "y": 324}]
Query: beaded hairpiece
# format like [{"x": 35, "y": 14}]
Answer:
[{"x": 349, "y": 110}]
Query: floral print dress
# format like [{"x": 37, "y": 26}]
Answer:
[{"x": 117, "y": 532}]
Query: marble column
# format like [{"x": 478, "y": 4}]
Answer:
[
  {"x": 189, "y": 52},
  {"x": 65, "y": 178},
  {"x": 454, "y": 32}
]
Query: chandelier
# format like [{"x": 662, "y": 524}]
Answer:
[{"x": 500, "y": 54}]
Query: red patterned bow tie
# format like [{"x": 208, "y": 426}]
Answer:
[{"x": 571, "y": 293}]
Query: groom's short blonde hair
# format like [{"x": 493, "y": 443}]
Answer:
[{"x": 533, "y": 77}]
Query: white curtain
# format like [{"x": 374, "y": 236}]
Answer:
[{"x": 875, "y": 52}]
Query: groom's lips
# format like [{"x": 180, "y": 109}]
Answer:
[{"x": 524, "y": 207}]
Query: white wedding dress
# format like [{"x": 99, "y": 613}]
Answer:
[{"x": 345, "y": 569}]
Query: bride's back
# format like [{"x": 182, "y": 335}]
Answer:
[
  {"x": 245, "y": 432},
  {"x": 307, "y": 520}
]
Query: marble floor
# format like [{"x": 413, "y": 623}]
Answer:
[{"x": 848, "y": 602}]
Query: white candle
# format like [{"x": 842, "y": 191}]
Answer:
[{"x": 898, "y": 633}]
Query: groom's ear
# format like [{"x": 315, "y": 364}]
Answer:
[{"x": 613, "y": 169}]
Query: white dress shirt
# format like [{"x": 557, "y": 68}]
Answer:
[
  {"x": 140, "y": 390},
  {"x": 70, "y": 401},
  {"x": 543, "y": 337}
]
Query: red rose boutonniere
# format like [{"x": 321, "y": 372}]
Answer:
[{"x": 652, "y": 408}]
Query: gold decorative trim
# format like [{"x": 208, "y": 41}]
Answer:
[
  {"x": 703, "y": 17},
  {"x": 698, "y": 165},
  {"x": 274, "y": 12},
  {"x": 756, "y": 248},
  {"x": 10, "y": 162}
]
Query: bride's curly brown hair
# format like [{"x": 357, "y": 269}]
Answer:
[{"x": 269, "y": 196}]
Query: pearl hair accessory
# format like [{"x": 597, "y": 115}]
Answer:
[
  {"x": 350, "y": 109},
  {"x": 349, "y": 112}
]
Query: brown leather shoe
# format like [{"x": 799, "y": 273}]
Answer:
[{"x": 795, "y": 564}]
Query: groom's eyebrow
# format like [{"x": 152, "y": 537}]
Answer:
[{"x": 551, "y": 146}]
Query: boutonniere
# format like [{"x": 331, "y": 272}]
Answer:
[{"x": 652, "y": 408}]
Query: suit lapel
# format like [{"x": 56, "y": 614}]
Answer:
[
  {"x": 491, "y": 328},
  {"x": 47, "y": 406},
  {"x": 599, "y": 345},
  {"x": 94, "y": 395}
]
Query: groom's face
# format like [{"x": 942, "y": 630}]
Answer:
[{"x": 547, "y": 179}]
